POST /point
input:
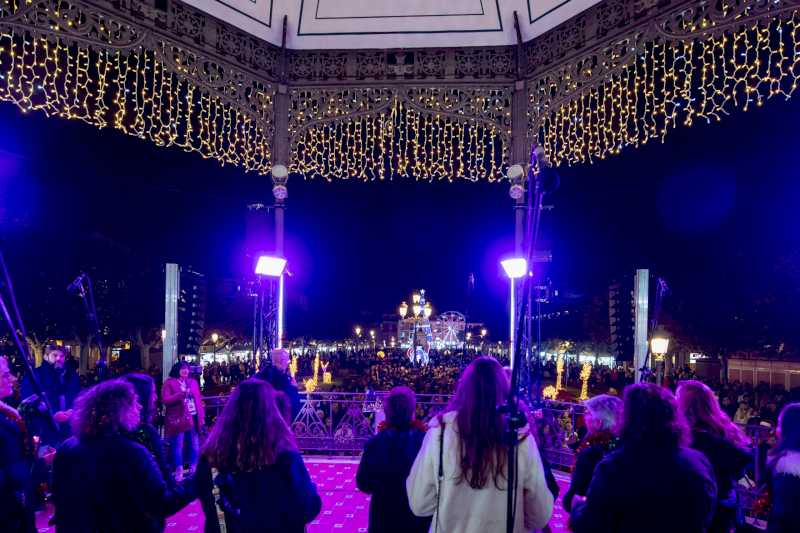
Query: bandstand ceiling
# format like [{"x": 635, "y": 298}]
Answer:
[{"x": 350, "y": 24}]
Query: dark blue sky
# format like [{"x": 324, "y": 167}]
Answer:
[{"x": 713, "y": 210}]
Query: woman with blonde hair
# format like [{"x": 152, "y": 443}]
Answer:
[
  {"x": 722, "y": 442},
  {"x": 460, "y": 474},
  {"x": 263, "y": 483}
]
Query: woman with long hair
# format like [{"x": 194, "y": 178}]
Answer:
[
  {"x": 784, "y": 469},
  {"x": 102, "y": 480},
  {"x": 263, "y": 483},
  {"x": 16, "y": 462},
  {"x": 145, "y": 433},
  {"x": 460, "y": 474},
  {"x": 722, "y": 442},
  {"x": 654, "y": 482},
  {"x": 603, "y": 420},
  {"x": 184, "y": 417}
]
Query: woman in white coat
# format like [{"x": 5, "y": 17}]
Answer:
[{"x": 460, "y": 475}]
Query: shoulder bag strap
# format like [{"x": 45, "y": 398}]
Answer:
[{"x": 440, "y": 477}]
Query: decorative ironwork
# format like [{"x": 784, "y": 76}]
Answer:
[{"x": 618, "y": 74}]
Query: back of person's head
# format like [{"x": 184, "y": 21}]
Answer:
[
  {"x": 106, "y": 408},
  {"x": 482, "y": 387},
  {"x": 700, "y": 407},
  {"x": 652, "y": 418},
  {"x": 605, "y": 413},
  {"x": 250, "y": 432},
  {"x": 175, "y": 372},
  {"x": 400, "y": 406},
  {"x": 788, "y": 432},
  {"x": 284, "y": 406},
  {"x": 145, "y": 392},
  {"x": 280, "y": 358}
]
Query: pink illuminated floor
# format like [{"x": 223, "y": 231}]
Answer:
[{"x": 344, "y": 508}]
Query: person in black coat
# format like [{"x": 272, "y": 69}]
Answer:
[
  {"x": 145, "y": 433},
  {"x": 263, "y": 483},
  {"x": 654, "y": 482},
  {"x": 102, "y": 480},
  {"x": 386, "y": 462},
  {"x": 603, "y": 418},
  {"x": 277, "y": 375},
  {"x": 16, "y": 458},
  {"x": 784, "y": 471},
  {"x": 723, "y": 444},
  {"x": 60, "y": 396}
]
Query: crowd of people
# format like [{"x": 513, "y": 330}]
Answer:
[{"x": 110, "y": 469}]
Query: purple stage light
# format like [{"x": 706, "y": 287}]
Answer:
[
  {"x": 515, "y": 267},
  {"x": 270, "y": 266}
]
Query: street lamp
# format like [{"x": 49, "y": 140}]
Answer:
[
  {"x": 428, "y": 310},
  {"x": 214, "y": 339},
  {"x": 403, "y": 310},
  {"x": 357, "y": 331},
  {"x": 514, "y": 268},
  {"x": 659, "y": 345},
  {"x": 372, "y": 336}
]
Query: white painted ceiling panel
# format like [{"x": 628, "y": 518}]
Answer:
[{"x": 349, "y": 24}]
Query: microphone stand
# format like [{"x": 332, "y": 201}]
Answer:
[
  {"x": 15, "y": 330},
  {"x": 83, "y": 285},
  {"x": 515, "y": 417}
]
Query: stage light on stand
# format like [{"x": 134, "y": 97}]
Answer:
[
  {"x": 270, "y": 266},
  {"x": 515, "y": 268}
]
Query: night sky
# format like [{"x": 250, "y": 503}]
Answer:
[{"x": 713, "y": 211}]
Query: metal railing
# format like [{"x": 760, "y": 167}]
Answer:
[{"x": 338, "y": 421}]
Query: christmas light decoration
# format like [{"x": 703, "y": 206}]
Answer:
[
  {"x": 589, "y": 95},
  {"x": 422, "y": 133},
  {"x": 133, "y": 91},
  {"x": 667, "y": 84},
  {"x": 559, "y": 372},
  {"x": 586, "y": 372}
]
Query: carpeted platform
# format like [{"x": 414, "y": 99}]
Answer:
[{"x": 344, "y": 508}]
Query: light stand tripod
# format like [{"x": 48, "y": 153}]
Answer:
[
  {"x": 541, "y": 180},
  {"x": 82, "y": 285}
]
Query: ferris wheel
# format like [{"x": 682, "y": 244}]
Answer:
[{"x": 452, "y": 326}]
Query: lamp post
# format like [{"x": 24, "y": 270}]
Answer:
[
  {"x": 659, "y": 346},
  {"x": 358, "y": 336},
  {"x": 214, "y": 339},
  {"x": 372, "y": 336},
  {"x": 514, "y": 268}
]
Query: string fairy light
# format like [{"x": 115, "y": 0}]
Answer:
[
  {"x": 586, "y": 372},
  {"x": 135, "y": 92},
  {"x": 372, "y": 134},
  {"x": 667, "y": 84},
  {"x": 379, "y": 133}
]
